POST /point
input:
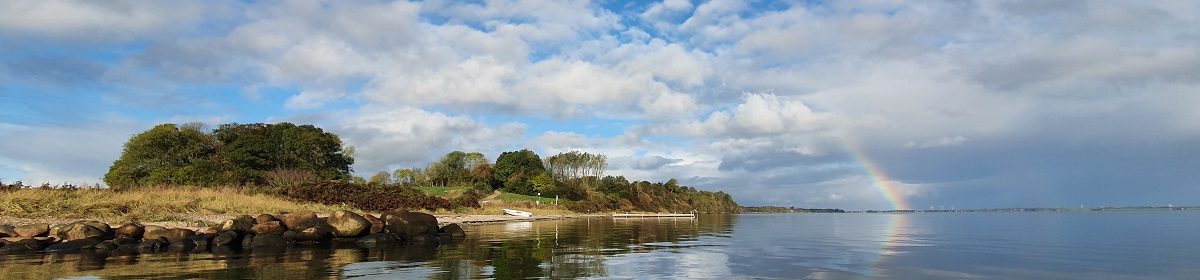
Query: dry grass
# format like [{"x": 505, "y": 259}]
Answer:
[
  {"x": 493, "y": 208},
  {"x": 147, "y": 204}
]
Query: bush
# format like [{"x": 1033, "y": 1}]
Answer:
[
  {"x": 469, "y": 199},
  {"x": 370, "y": 197}
]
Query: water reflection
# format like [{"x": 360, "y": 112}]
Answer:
[{"x": 578, "y": 248}]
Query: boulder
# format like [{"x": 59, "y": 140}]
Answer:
[
  {"x": 58, "y": 231},
  {"x": 33, "y": 230},
  {"x": 153, "y": 245},
  {"x": 125, "y": 250},
  {"x": 130, "y": 230},
  {"x": 311, "y": 234},
  {"x": 376, "y": 224},
  {"x": 269, "y": 227},
  {"x": 202, "y": 241},
  {"x": 8, "y": 231},
  {"x": 72, "y": 246},
  {"x": 98, "y": 225},
  {"x": 77, "y": 231},
  {"x": 239, "y": 225},
  {"x": 186, "y": 244},
  {"x": 348, "y": 224},
  {"x": 268, "y": 241},
  {"x": 263, "y": 218},
  {"x": 453, "y": 230},
  {"x": 211, "y": 231},
  {"x": 294, "y": 220},
  {"x": 376, "y": 240},
  {"x": 179, "y": 234},
  {"x": 154, "y": 232},
  {"x": 408, "y": 224},
  {"x": 247, "y": 240},
  {"x": 26, "y": 245},
  {"x": 124, "y": 240},
  {"x": 149, "y": 228},
  {"x": 228, "y": 238}
]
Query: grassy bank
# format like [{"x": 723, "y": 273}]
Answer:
[{"x": 180, "y": 204}]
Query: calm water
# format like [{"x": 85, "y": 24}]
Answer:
[{"x": 1134, "y": 245}]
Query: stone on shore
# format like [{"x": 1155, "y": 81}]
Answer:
[
  {"x": 203, "y": 242},
  {"x": 453, "y": 230},
  {"x": 8, "y": 231},
  {"x": 408, "y": 224},
  {"x": 26, "y": 245},
  {"x": 376, "y": 224},
  {"x": 77, "y": 231},
  {"x": 154, "y": 232},
  {"x": 239, "y": 225},
  {"x": 153, "y": 245},
  {"x": 267, "y": 241},
  {"x": 210, "y": 231},
  {"x": 98, "y": 225},
  {"x": 130, "y": 230},
  {"x": 33, "y": 230},
  {"x": 263, "y": 218},
  {"x": 247, "y": 240},
  {"x": 228, "y": 238},
  {"x": 268, "y": 227},
  {"x": 348, "y": 224},
  {"x": 376, "y": 240},
  {"x": 72, "y": 246},
  {"x": 176, "y": 235},
  {"x": 293, "y": 220},
  {"x": 124, "y": 240},
  {"x": 150, "y": 228}
]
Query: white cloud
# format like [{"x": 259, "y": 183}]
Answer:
[
  {"x": 395, "y": 137},
  {"x": 101, "y": 21}
]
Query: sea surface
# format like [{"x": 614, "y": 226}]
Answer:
[{"x": 1076, "y": 245}]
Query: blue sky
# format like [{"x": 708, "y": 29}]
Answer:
[{"x": 962, "y": 103}]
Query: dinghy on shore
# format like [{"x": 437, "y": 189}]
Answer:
[{"x": 517, "y": 213}]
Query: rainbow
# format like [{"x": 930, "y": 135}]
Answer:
[{"x": 878, "y": 177}]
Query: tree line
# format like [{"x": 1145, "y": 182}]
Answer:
[
  {"x": 305, "y": 162},
  {"x": 577, "y": 177}
]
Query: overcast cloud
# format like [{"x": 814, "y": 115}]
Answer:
[{"x": 961, "y": 103}]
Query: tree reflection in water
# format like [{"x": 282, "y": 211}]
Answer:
[{"x": 571, "y": 248}]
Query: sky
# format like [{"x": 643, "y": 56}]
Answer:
[{"x": 816, "y": 104}]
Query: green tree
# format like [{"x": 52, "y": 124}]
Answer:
[
  {"x": 510, "y": 164},
  {"x": 166, "y": 154},
  {"x": 380, "y": 178},
  {"x": 236, "y": 154},
  {"x": 408, "y": 176}
]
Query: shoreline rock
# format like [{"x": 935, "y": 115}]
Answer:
[{"x": 264, "y": 232}]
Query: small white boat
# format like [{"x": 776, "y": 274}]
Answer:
[{"x": 518, "y": 213}]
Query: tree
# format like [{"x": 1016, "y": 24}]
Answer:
[
  {"x": 166, "y": 154},
  {"x": 235, "y": 154},
  {"x": 380, "y": 178},
  {"x": 513, "y": 163},
  {"x": 460, "y": 167},
  {"x": 408, "y": 176},
  {"x": 576, "y": 164}
]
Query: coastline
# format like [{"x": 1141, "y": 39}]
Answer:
[{"x": 443, "y": 219}]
